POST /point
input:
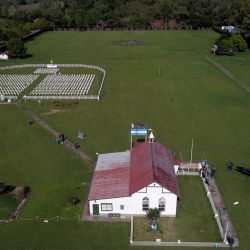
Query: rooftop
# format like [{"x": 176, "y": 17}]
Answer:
[{"x": 124, "y": 173}]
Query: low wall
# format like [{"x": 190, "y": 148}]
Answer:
[{"x": 80, "y": 97}]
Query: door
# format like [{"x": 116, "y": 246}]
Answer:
[{"x": 95, "y": 209}]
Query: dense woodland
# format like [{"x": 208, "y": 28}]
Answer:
[{"x": 19, "y": 17}]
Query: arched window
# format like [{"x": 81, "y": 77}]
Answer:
[
  {"x": 162, "y": 204},
  {"x": 145, "y": 204}
]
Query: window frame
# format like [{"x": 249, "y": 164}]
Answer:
[
  {"x": 145, "y": 204},
  {"x": 162, "y": 207},
  {"x": 106, "y": 207}
]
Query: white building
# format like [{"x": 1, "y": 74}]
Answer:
[
  {"x": 133, "y": 181},
  {"x": 4, "y": 57},
  {"x": 231, "y": 29}
]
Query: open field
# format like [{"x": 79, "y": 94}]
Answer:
[
  {"x": 167, "y": 84},
  {"x": 8, "y": 204},
  {"x": 237, "y": 64}
]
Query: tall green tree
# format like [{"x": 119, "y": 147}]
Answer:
[{"x": 16, "y": 48}]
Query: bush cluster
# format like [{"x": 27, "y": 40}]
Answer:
[{"x": 228, "y": 44}]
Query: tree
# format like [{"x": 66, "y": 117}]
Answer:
[
  {"x": 41, "y": 23},
  {"x": 16, "y": 48},
  {"x": 225, "y": 45},
  {"x": 239, "y": 44}
]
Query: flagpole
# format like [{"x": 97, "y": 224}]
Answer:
[{"x": 191, "y": 153}]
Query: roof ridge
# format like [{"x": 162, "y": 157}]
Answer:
[{"x": 153, "y": 162}]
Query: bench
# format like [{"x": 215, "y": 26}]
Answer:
[{"x": 114, "y": 215}]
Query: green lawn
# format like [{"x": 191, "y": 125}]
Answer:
[
  {"x": 189, "y": 99},
  {"x": 8, "y": 204},
  {"x": 29, "y": 157},
  {"x": 237, "y": 64}
]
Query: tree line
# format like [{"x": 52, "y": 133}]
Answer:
[{"x": 19, "y": 17}]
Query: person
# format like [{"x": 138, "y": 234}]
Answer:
[
  {"x": 203, "y": 163},
  {"x": 209, "y": 172},
  {"x": 229, "y": 166},
  {"x": 206, "y": 181},
  {"x": 212, "y": 174},
  {"x": 76, "y": 145},
  {"x": 30, "y": 122},
  {"x": 203, "y": 174},
  {"x": 62, "y": 137},
  {"x": 230, "y": 241}
]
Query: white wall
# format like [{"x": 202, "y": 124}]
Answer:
[{"x": 133, "y": 204}]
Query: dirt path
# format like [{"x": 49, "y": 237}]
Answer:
[
  {"x": 228, "y": 73},
  {"x": 54, "y": 111},
  {"x": 70, "y": 145}
]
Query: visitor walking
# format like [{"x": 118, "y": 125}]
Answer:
[
  {"x": 203, "y": 163},
  {"x": 212, "y": 174},
  {"x": 229, "y": 166},
  {"x": 230, "y": 241}
]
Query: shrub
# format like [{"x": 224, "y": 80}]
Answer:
[
  {"x": 239, "y": 44},
  {"x": 225, "y": 45},
  {"x": 153, "y": 213}
]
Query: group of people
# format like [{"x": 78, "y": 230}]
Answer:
[
  {"x": 61, "y": 138},
  {"x": 206, "y": 172}
]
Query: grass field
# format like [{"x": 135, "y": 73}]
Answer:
[
  {"x": 8, "y": 204},
  {"x": 167, "y": 84},
  {"x": 238, "y": 65}
]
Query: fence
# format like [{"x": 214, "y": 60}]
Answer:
[
  {"x": 11, "y": 97},
  {"x": 83, "y": 97},
  {"x": 90, "y": 97},
  {"x": 216, "y": 215},
  {"x": 184, "y": 170},
  {"x": 46, "y": 220}
]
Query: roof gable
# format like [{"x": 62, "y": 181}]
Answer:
[{"x": 152, "y": 162}]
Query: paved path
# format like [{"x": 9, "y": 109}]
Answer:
[
  {"x": 228, "y": 73},
  {"x": 70, "y": 145}
]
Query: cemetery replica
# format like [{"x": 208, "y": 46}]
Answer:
[{"x": 53, "y": 84}]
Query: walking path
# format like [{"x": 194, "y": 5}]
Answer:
[
  {"x": 222, "y": 211},
  {"x": 228, "y": 73},
  {"x": 70, "y": 145}
]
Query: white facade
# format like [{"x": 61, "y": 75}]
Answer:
[
  {"x": 4, "y": 57},
  {"x": 134, "y": 203}
]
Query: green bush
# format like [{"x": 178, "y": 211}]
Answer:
[
  {"x": 16, "y": 48},
  {"x": 239, "y": 44},
  {"x": 153, "y": 213},
  {"x": 228, "y": 43},
  {"x": 225, "y": 46}
]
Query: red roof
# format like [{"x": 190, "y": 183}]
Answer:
[
  {"x": 152, "y": 162},
  {"x": 149, "y": 162},
  {"x": 110, "y": 183}
]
